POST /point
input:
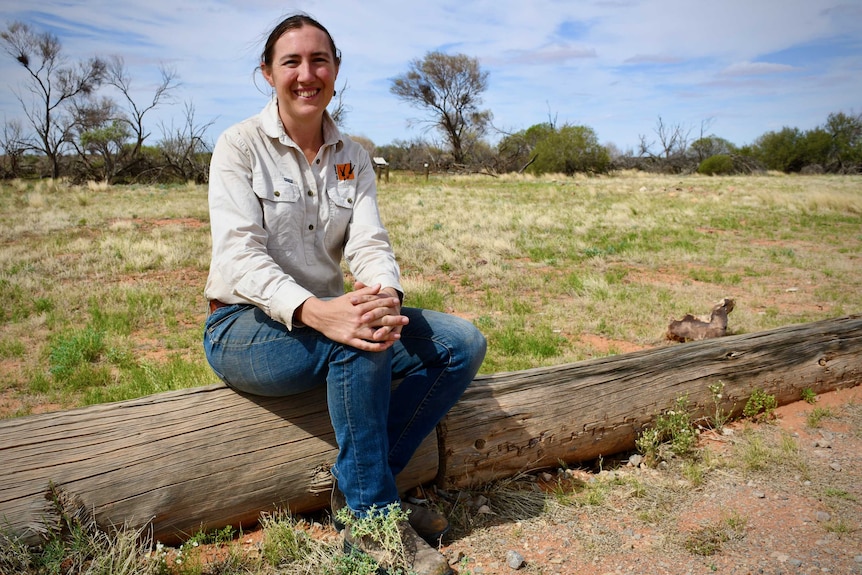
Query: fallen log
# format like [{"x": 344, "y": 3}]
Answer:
[
  {"x": 181, "y": 461},
  {"x": 208, "y": 457},
  {"x": 514, "y": 422}
]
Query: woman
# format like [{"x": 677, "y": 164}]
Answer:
[{"x": 290, "y": 197}]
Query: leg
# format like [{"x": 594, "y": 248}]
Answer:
[
  {"x": 436, "y": 359},
  {"x": 254, "y": 354}
]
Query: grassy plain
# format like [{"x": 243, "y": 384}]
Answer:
[{"x": 102, "y": 287}]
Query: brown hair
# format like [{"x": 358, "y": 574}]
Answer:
[{"x": 295, "y": 22}]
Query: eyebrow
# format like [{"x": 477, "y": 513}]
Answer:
[{"x": 313, "y": 55}]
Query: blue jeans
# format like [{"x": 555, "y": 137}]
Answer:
[{"x": 378, "y": 429}]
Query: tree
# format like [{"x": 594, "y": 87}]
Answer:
[
  {"x": 184, "y": 150},
  {"x": 672, "y": 146},
  {"x": 118, "y": 77},
  {"x": 517, "y": 151},
  {"x": 339, "y": 108},
  {"x": 52, "y": 83},
  {"x": 449, "y": 88},
  {"x": 570, "y": 150},
  {"x": 845, "y": 154},
  {"x": 780, "y": 150},
  {"x": 13, "y": 143},
  {"x": 708, "y": 146},
  {"x": 99, "y": 137}
]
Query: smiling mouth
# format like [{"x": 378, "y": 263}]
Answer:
[{"x": 307, "y": 93}]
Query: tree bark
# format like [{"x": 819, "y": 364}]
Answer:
[{"x": 208, "y": 457}]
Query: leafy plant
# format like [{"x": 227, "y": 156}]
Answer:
[
  {"x": 719, "y": 417},
  {"x": 381, "y": 527},
  {"x": 760, "y": 405},
  {"x": 809, "y": 396},
  {"x": 671, "y": 431}
]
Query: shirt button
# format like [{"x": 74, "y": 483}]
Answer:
[
  {"x": 311, "y": 226},
  {"x": 310, "y": 193},
  {"x": 277, "y": 193},
  {"x": 349, "y": 200},
  {"x": 317, "y": 161}
]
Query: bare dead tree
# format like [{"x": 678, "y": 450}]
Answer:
[
  {"x": 52, "y": 84},
  {"x": 339, "y": 109},
  {"x": 118, "y": 77},
  {"x": 14, "y": 144},
  {"x": 672, "y": 145},
  {"x": 184, "y": 149}
]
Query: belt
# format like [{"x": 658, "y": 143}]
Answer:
[{"x": 216, "y": 304}]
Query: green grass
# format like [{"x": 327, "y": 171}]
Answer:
[{"x": 102, "y": 286}]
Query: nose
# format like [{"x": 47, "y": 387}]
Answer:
[{"x": 304, "y": 72}]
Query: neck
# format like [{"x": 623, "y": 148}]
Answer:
[{"x": 307, "y": 135}]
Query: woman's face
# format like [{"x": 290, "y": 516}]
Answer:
[{"x": 303, "y": 73}]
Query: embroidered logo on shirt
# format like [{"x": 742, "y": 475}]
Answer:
[{"x": 344, "y": 171}]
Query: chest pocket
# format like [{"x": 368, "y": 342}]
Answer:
[
  {"x": 283, "y": 213},
  {"x": 342, "y": 198}
]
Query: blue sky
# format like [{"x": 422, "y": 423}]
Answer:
[{"x": 739, "y": 68}]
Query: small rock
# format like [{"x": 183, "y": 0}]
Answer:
[
  {"x": 547, "y": 477},
  {"x": 760, "y": 495},
  {"x": 484, "y": 510},
  {"x": 835, "y": 466},
  {"x": 514, "y": 559},
  {"x": 822, "y": 516},
  {"x": 823, "y": 443},
  {"x": 635, "y": 460},
  {"x": 858, "y": 559},
  {"x": 795, "y": 562}
]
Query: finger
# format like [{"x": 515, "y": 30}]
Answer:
[{"x": 366, "y": 345}]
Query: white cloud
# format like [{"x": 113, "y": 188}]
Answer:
[
  {"x": 612, "y": 65},
  {"x": 756, "y": 69}
]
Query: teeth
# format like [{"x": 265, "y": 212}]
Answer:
[{"x": 306, "y": 93}]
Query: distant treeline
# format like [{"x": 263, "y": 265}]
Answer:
[{"x": 84, "y": 121}]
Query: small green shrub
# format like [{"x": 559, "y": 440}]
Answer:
[
  {"x": 73, "y": 349},
  {"x": 718, "y": 165},
  {"x": 381, "y": 527},
  {"x": 673, "y": 431},
  {"x": 760, "y": 404}
]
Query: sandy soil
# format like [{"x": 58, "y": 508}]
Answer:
[{"x": 801, "y": 515}]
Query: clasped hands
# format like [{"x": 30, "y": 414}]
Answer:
[{"x": 368, "y": 318}]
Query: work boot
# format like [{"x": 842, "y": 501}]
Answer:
[
  {"x": 419, "y": 558},
  {"x": 430, "y": 525}
]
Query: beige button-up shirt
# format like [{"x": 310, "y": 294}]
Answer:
[{"x": 281, "y": 227}]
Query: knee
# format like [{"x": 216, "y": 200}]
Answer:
[{"x": 471, "y": 342}]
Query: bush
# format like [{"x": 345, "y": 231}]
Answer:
[{"x": 718, "y": 165}]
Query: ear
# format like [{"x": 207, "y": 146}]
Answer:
[{"x": 265, "y": 70}]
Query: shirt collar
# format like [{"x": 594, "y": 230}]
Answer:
[{"x": 272, "y": 126}]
